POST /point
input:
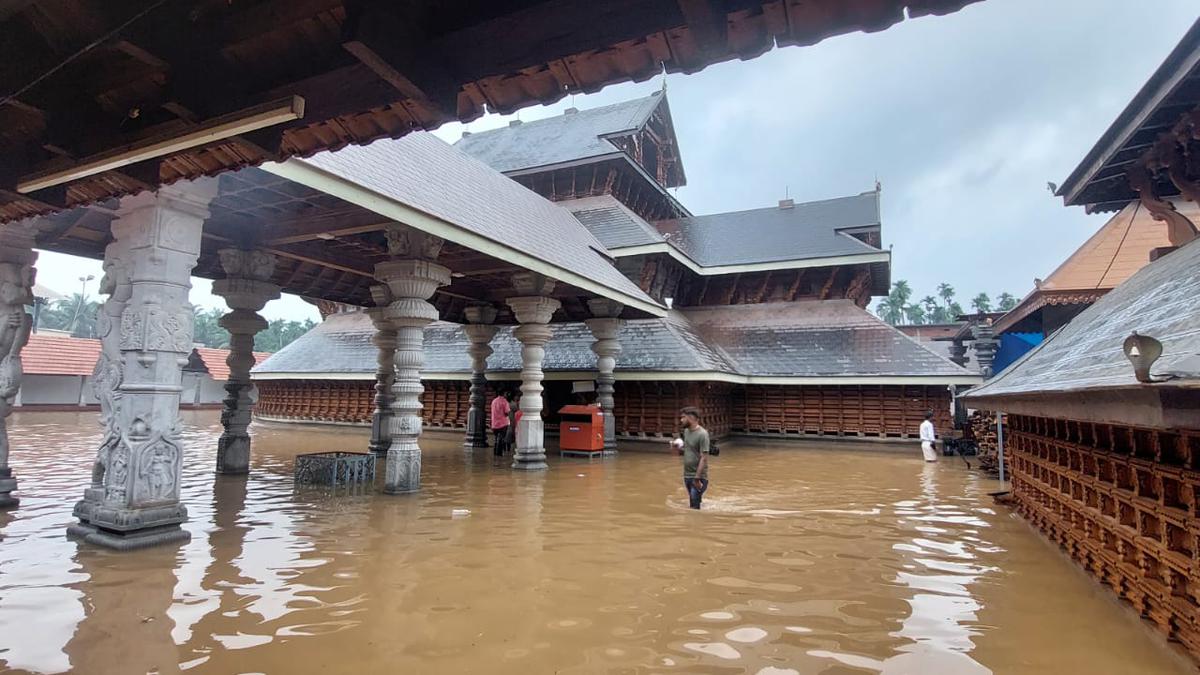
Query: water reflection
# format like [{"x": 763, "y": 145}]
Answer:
[{"x": 804, "y": 561}]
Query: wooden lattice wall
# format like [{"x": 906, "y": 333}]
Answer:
[
  {"x": 1122, "y": 501},
  {"x": 652, "y": 408},
  {"x": 884, "y": 411},
  {"x": 445, "y": 402}
]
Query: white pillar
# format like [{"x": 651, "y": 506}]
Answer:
[
  {"x": 533, "y": 313},
  {"x": 246, "y": 289},
  {"x": 385, "y": 372},
  {"x": 605, "y": 328},
  {"x": 412, "y": 279},
  {"x": 480, "y": 333},
  {"x": 134, "y": 501},
  {"x": 16, "y": 291}
]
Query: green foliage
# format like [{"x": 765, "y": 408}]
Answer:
[
  {"x": 281, "y": 333},
  {"x": 942, "y": 308},
  {"x": 207, "y": 329},
  {"x": 76, "y": 314}
]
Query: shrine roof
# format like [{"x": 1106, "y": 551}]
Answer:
[
  {"x": 804, "y": 231},
  {"x": 1162, "y": 300},
  {"x": 809, "y": 341},
  {"x": 1107, "y": 259},
  {"x": 425, "y": 183},
  {"x": 560, "y": 139},
  {"x": 614, "y": 224}
]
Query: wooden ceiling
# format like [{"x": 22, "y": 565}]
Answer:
[{"x": 82, "y": 77}]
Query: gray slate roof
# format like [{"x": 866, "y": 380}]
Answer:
[
  {"x": 807, "y": 230},
  {"x": 562, "y": 138},
  {"x": 1162, "y": 300},
  {"x": 801, "y": 339},
  {"x": 614, "y": 224},
  {"x": 427, "y": 174}
]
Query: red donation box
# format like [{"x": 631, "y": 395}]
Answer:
[{"x": 580, "y": 428}]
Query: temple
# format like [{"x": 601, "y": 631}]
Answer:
[
  {"x": 766, "y": 330},
  {"x": 1102, "y": 421}
]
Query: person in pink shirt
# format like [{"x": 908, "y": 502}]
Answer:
[{"x": 499, "y": 421}]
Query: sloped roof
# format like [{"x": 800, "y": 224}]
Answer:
[
  {"x": 1109, "y": 257},
  {"x": 805, "y": 231},
  {"x": 59, "y": 355},
  {"x": 63, "y": 355},
  {"x": 1162, "y": 300},
  {"x": 614, "y": 224},
  {"x": 214, "y": 361},
  {"x": 563, "y": 138},
  {"x": 833, "y": 338},
  {"x": 424, "y": 173}
]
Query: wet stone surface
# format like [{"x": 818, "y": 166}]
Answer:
[{"x": 809, "y": 558}]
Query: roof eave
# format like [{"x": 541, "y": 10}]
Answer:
[
  {"x": 1175, "y": 68},
  {"x": 305, "y": 173}
]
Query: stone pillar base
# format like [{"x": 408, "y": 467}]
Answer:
[
  {"x": 233, "y": 455},
  {"x": 610, "y": 432},
  {"x": 8, "y": 484},
  {"x": 403, "y": 474},
  {"x": 476, "y": 429},
  {"x": 128, "y": 529},
  {"x": 530, "y": 454}
]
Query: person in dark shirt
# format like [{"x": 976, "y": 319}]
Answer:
[{"x": 694, "y": 446}]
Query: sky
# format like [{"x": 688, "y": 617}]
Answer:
[{"x": 963, "y": 119}]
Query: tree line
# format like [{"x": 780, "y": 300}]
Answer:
[
  {"x": 77, "y": 315},
  {"x": 900, "y": 308}
]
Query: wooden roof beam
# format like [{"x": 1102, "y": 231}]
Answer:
[
  {"x": 708, "y": 23},
  {"x": 391, "y": 43}
]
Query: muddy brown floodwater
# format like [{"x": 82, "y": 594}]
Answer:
[{"x": 808, "y": 558}]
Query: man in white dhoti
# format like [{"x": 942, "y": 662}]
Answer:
[{"x": 928, "y": 437}]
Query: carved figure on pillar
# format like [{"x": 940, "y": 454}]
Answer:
[
  {"x": 246, "y": 289},
  {"x": 385, "y": 373},
  {"x": 533, "y": 312},
  {"x": 607, "y": 348},
  {"x": 480, "y": 332},
  {"x": 411, "y": 281},
  {"x": 16, "y": 291},
  {"x": 138, "y": 468}
]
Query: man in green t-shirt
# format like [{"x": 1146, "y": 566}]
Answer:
[{"x": 694, "y": 448}]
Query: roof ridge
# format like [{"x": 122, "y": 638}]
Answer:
[{"x": 776, "y": 208}]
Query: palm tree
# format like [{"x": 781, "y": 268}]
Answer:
[
  {"x": 902, "y": 291},
  {"x": 892, "y": 308},
  {"x": 915, "y": 314},
  {"x": 1006, "y": 302},
  {"x": 982, "y": 303},
  {"x": 946, "y": 293}
]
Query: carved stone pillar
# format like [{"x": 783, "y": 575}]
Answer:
[
  {"x": 246, "y": 289},
  {"x": 607, "y": 348},
  {"x": 134, "y": 501},
  {"x": 412, "y": 278},
  {"x": 480, "y": 333},
  {"x": 534, "y": 313},
  {"x": 385, "y": 373},
  {"x": 985, "y": 348},
  {"x": 16, "y": 291}
]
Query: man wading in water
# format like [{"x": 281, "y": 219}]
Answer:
[{"x": 694, "y": 448}]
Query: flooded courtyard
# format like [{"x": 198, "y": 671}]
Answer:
[{"x": 808, "y": 558}]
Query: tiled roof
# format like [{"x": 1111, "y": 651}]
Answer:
[
  {"x": 62, "y": 355},
  {"x": 804, "y": 231},
  {"x": 426, "y": 174},
  {"x": 562, "y": 138},
  {"x": 800, "y": 339},
  {"x": 1162, "y": 300},
  {"x": 214, "y": 361},
  {"x": 614, "y": 224},
  {"x": 59, "y": 355}
]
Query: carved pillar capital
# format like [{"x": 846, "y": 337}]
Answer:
[{"x": 533, "y": 309}]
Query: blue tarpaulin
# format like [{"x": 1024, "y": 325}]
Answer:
[{"x": 1012, "y": 347}]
